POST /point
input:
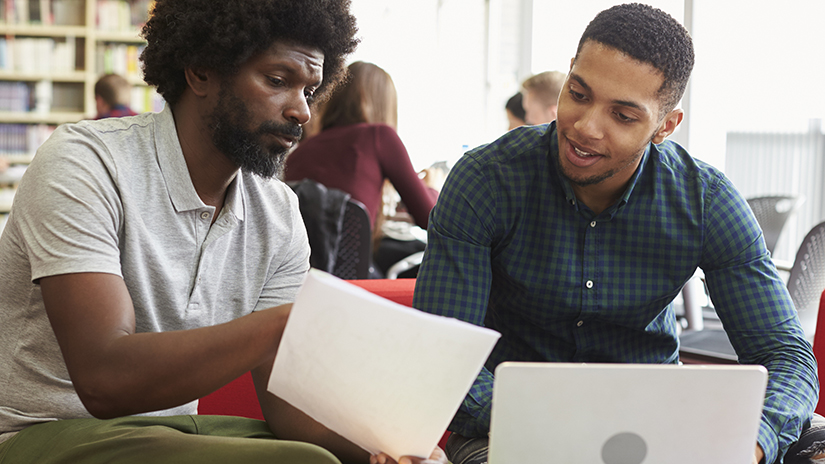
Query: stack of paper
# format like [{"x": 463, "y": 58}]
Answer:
[{"x": 386, "y": 377}]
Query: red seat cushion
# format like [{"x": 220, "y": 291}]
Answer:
[
  {"x": 398, "y": 290},
  {"x": 237, "y": 398}
]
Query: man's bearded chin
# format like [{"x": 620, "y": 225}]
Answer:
[{"x": 245, "y": 148}]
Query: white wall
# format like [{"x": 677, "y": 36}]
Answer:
[
  {"x": 558, "y": 26},
  {"x": 759, "y": 65},
  {"x": 759, "y": 68},
  {"x": 435, "y": 51}
]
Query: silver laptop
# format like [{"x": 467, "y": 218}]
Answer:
[{"x": 625, "y": 413}]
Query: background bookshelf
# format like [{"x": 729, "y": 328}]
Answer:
[{"x": 51, "y": 54}]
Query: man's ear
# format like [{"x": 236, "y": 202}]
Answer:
[
  {"x": 198, "y": 80},
  {"x": 668, "y": 125}
]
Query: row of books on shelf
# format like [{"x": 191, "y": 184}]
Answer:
[
  {"x": 121, "y": 15},
  {"x": 112, "y": 15},
  {"x": 43, "y": 97},
  {"x": 118, "y": 58},
  {"x": 23, "y": 139},
  {"x": 146, "y": 99},
  {"x": 37, "y": 96},
  {"x": 43, "y": 12},
  {"x": 15, "y": 96},
  {"x": 38, "y": 55}
]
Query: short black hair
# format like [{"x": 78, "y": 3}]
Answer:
[
  {"x": 514, "y": 106},
  {"x": 651, "y": 36},
  {"x": 114, "y": 89},
  {"x": 221, "y": 35}
]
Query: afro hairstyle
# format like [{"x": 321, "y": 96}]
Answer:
[
  {"x": 221, "y": 35},
  {"x": 650, "y": 36}
]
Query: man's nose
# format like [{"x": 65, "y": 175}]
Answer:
[
  {"x": 297, "y": 108},
  {"x": 589, "y": 124}
]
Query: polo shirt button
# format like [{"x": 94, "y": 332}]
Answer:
[
  {"x": 593, "y": 224},
  {"x": 204, "y": 215},
  {"x": 589, "y": 284},
  {"x": 579, "y": 324}
]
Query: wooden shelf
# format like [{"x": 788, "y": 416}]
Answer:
[
  {"x": 27, "y": 30},
  {"x": 128, "y": 37},
  {"x": 18, "y": 158},
  {"x": 12, "y": 117},
  {"x": 76, "y": 76}
]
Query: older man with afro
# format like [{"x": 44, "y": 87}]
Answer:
[{"x": 151, "y": 259}]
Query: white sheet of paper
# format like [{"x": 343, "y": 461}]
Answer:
[{"x": 386, "y": 377}]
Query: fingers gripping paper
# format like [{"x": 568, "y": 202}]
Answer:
[{"x": 386, "y": 377}]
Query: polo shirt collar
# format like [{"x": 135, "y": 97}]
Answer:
[
  {"x": 234, "y": 202},
  {"x": 175, "y": 173}
]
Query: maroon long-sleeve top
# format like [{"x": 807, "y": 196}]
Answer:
[{"x": 356, "y": 158}]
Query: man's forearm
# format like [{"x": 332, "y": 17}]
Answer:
[
  {"x": 118, "y": 372},
  {"x": 153, "y": 371}
]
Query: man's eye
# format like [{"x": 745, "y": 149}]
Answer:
[
  {"x": 309, "y": 94},
  {"x": 623, "y": 117},
  {"x": 577, "y": 95},
  {"x": 275, "y": 81}
]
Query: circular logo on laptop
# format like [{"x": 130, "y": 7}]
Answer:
[{"x": 624, "y": 448}]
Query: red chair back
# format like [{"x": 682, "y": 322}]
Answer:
[{"x": 819, "y": 350}]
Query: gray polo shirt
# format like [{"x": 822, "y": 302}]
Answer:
[{"x": 115, "y": 196}]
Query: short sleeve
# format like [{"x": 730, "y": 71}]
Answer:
[{"x": 67, "y": 209}]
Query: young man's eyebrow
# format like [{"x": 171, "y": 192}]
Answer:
[
  {"x": 628, "y": 103},
  {"x": 580, "y": 80}
]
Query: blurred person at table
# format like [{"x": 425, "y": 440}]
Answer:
[
  {"x": 112, "y": 95},
  {"x": 541, "y": 96},
  {"x": 515, "y": 111},
  {"x": 358, "y": 147}
]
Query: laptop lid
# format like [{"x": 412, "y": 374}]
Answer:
[{"x": 625, "y": 413}]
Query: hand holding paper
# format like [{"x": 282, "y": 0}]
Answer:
[
  {"x": 386, "y": 377},
  {"x": 436, "y": 457}
]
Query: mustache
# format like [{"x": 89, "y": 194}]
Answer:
[{"x": 289, "y": 129}]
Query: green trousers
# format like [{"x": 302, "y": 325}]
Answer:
[{"x": 173, "y": 439}]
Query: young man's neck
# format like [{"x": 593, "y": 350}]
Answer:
[{"x": 595, "y": 198}]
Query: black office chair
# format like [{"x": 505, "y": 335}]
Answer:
[
  {"x": 806, "y": 284},
  {"x": 772, "y": 213},
  {"x": 355, "y": 247},
  {"x": 338, "y": 228}
]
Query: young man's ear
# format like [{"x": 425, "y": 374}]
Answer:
[
  {"x": 668, "y": 125},
  {"x": 198, "y": 80}
]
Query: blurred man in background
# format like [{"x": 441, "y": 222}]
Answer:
[
  {"x": 541, "y": 96},
  {"x": 112, "y": 95}
]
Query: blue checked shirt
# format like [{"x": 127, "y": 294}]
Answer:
[{"x": 512, "y": 249}]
